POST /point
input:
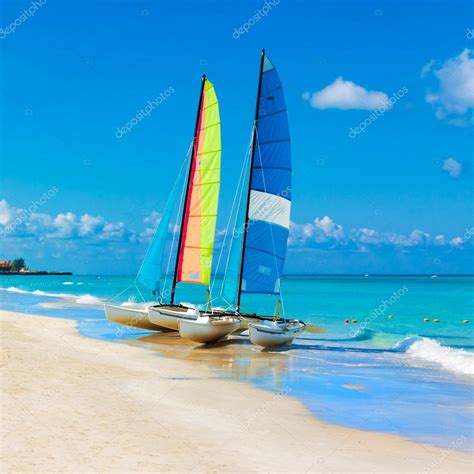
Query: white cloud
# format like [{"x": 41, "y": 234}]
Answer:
[
  {"x": 455, "y": 95},
  {"x": 5, "y": 212},
  {"x": 347, "y": 95},
  {"x": 452, "y": 167},
  {"x": 20, "y": 223},
  {"x": 329, "y": 227},
  {"x": 67, "y": 229},
  {"x": 418, "y": 237},
  {"x": 427, "y": 68},
  {"x": 115, "y": 232},
  {"x": 325, "y": 233},
  {"x": 65, "y": 225},
  {"x": 89, "y": 225},
  {"x": 321, "y": 231},
  {"x": 152, "y": 221}
]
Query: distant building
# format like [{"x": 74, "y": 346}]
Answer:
[{"x": 5, "y": 266}]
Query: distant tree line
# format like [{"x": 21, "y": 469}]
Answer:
[{"x": 18, "y": 264}]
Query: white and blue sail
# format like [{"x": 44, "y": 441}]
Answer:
[{"x": 259, "y": 250}]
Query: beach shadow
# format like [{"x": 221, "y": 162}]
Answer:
[{"x": 318, "y": 347}]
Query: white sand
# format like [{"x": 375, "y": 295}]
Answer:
[{"x": 74, "y": 404}]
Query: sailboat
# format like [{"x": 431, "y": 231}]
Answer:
[
  {"x": 197, "y": 229},
  {"x": 258, "y": 251},
  {"x": 196, "y": 235}
]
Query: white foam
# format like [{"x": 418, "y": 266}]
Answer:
[
  {"x": 68, "y": 283},
  {"x": 79, "y": 299},
  {"x": 14, "y": 289},
  {"x": 448, "y": 358},
  {"x": 88, "y": 299},
  {"x": 56, "y": 295}
]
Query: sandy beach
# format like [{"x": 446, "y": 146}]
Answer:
[{"x": 73, "y": 404}]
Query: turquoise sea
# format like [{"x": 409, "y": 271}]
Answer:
[{"x": 391, "y": 368}]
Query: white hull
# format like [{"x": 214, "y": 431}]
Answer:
[
  {"x": 129, "y": 316},
  {"x": 273, "y": 334},
  {"x": 169, "y": 318},
  {"x": 208, "y": 329}
]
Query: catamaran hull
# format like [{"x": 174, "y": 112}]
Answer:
[
  {"x": 170, "y": 318},
  {"x": 205, "y": 329},
  {"x": 270, "y": 334},
  {"x": 133, "y": 317}
]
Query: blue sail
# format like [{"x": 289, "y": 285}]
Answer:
[
  {"x": 270, "y": 190},
  {"x": 152, "y": 275},
  {"x": 268, "y": 204}
]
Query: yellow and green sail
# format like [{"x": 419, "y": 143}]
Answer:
[{"x": 200, "y": 208}]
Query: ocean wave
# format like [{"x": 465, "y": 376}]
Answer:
[
  {"x": 86, "y": 299},
  {"x": 14, "y": 289},
  {"x": 68, "y": 283},
  {"x": 421, "y": 349},
  {"x": 54, "y": 295},
  {"x": 364, "y": 335}
]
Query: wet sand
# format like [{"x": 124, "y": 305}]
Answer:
[{"x": 71, "y": 403}]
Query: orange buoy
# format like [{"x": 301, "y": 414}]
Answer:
[{"x": 346, "y": 321}]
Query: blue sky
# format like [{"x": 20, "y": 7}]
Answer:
[{"x": 396, "y": 197}]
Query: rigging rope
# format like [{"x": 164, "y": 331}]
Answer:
[
  {"x": 176, "y": 226},
  {"x": 239, "y": 191}
]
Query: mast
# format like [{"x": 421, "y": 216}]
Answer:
[
  {"x": 188, "y": 186},
  {"x": 254, "y": 139}
]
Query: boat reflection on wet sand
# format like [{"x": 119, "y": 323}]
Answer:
[{"x": 234, "y": 357}]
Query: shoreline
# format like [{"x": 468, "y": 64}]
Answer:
[
  {"x": 36, "y": 273},
  {"x": 70, "y": 402}
]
